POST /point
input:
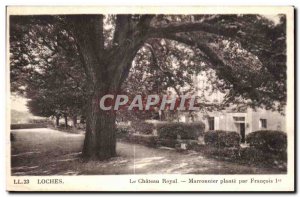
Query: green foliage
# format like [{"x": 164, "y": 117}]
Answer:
[
  {"x": 221, "y": 138},
  {"x": 173, "y": 130},
  {"x": 268, "y": 140}
]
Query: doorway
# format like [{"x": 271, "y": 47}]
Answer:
[{"x": 242, "y": 132}]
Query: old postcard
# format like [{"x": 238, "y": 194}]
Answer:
[{"x": 150, "y": 99}]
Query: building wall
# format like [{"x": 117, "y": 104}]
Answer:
[
  {"x": 225, "y": 120},
  {"x": 275, "y": 121}
]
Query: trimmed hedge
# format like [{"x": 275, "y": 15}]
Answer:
[
  {"x": 224, "y": 153},
  {"x": 247, "y": 155},
  {"x": 268, "y": 140},
  {"x": 142, "y": 127},
  {"x": 27, "y": 126},
  {"x": 172, "y": 130},
  {"x": 172, "y": 143},
  {"x": 252, "y": 155},
  {"x": 220, "y": 138},
  {"x": 148, "y": 140}
]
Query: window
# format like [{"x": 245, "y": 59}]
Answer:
[
  {"x": 263, "y": 123},
  {"x": 211, "y": 123}
]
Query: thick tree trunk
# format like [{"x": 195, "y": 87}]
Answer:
[
  {"x": 57, "y": 120},
  {"x": 100, "y": 137},
  {"x": 105, "y": 70}
]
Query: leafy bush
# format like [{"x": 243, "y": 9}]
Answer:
[
  {"x": 232, "y": 139},
  {"x": 122, "y": 131},
  {"x": 190, "y": 144},
  {"x": 252, "y": 155},
  {"x": 142, "y": 127},
  {"x": 268, "y": 140},
  {"x": 172, "y": 130},
  {"x": 221, "y": 138},
  {"x": 225, "y": 153}
]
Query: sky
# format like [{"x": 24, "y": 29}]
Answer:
[
  {"x": 274, "y": 18},
  {"x": 18, "y": 103}
]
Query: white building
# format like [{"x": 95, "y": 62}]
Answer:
[{"x": 243, "y": 122}]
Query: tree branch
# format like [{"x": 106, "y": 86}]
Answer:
[
  {"x": 88, "y": 33},
  {"x": 229, "y": 31},
  {"x": 123, "y": 26},
  {"x": 212, "y": 56},
  {"x": 145, "y": 21},
  {"x": 167, "y": 73}
]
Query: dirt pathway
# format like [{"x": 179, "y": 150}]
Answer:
[{"x": 51, "y": 152}]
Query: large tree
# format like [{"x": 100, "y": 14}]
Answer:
[{"x": 236, "y": 47}]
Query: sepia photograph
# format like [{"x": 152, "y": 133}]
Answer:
[{"x": 140, "y": 93}]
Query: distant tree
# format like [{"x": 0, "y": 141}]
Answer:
[{"x": 45, "y": 68}]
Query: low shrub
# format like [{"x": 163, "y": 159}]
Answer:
[
  {"x": 221, "y": 138},
  {"x": 172, "y": 143},
  {"x": 122, "y": 132},
  {"x": 232, "y": 139},
  {"x": 173, "y": 130},
  {"x": 252, "y": 155},
  {"x": 226, "y": 153},
  {"x": 190, "y": 144},
  {"x": 142, "y": 127},
  {"x": 148, "y": 140},
  {"x": 268, "y": 140}
]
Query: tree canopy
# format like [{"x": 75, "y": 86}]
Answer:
[
  {"x": 61, "y": 62},
  {"x": 247, "y": 53}
]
